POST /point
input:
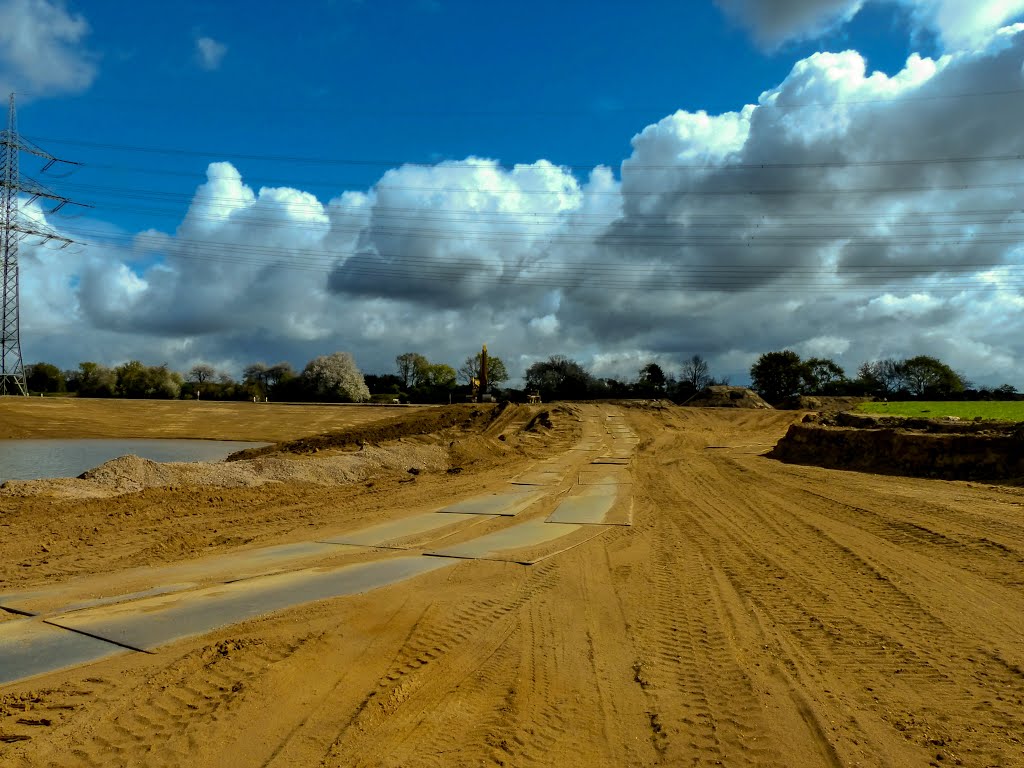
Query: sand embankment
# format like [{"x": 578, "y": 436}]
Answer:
[{"x": 948, "y": 450}]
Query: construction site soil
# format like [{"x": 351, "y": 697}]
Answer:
[
  {"x": 947, "y": 449},
  {"x": 754, "y": 613}
]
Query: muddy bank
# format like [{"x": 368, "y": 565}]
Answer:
[{"x": 947, "y": 451}]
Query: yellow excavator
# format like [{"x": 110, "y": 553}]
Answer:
[{"x": 479, "y": 382}]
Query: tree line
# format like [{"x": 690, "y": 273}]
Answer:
[
  {"x": 561, "y": 378},
  {"x": 328, "y": 378},
  {"x": 781, "y": 376},
  {"x": 778, "y": 377}
]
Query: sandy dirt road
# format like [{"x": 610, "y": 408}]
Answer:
[{"x": 754, "y": 614}]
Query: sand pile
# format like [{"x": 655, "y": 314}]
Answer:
[
  {"x": 722, "y": 396},
  {"x": 825, "y": 403},
  {"x": 432, "y": 440},
  {"x": 433, "y": 421},
  {"x": 129, "y": 474}
]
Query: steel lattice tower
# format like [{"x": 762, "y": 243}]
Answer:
[{"x": 13, "y": 228}]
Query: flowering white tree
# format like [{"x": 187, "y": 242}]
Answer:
[{"x": 336, "y": 377}]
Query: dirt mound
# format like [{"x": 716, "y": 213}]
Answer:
[
  {"x": 645, "y": 405},
  {"x": 130, "y": 474},
  {"x": 464, "y": 418},
  {"x": 541, "y": 421},
  {"x": 947, "y": 426},
  {"x": 824, "y": 403},
  {"x": 721, "y": 396},
  {"x": 940, "y": 450},
  {"x": 436, "y": 439}
]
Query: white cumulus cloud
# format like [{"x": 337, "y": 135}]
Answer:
[
  {"x": 773, "y": 22},
  {"x": 210, "y": 53},
  {"x": 846, "y": 213},
  {"x": 958, "y": 23},
  {"x": 41, "y": 48}
]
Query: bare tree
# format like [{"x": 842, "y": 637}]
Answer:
[
  {"x": 412, "y": 368},
  {"x": 882, "y": 377},
  {"x": 255, "y": 376},
  {"x": 277, "y": 374},
  {"x": 497, "y": 373},
  {"x": 696, "y": 373}
]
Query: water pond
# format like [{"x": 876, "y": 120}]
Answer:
[{"x": 33, "y": 459}]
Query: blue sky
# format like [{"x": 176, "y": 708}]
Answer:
[
  {"x": 562, "y": 88},
  {"x": 411, "y": 81}
]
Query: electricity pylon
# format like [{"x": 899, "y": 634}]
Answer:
[{"x": 13, "y": 228}]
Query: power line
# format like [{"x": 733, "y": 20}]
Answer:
[
  {"x": 13, "y": 228},
  {"x": 681, "y": 195},
  {"x": 653, "y": 282},
  {"x": 267, "y": 255},
  {"x": 394, "y": 163},
  {"x": 688, "y": 240},
  {"x": 665, "y": 109},
  {"x": 626, "y": 233},
  {"x": 447, "y": 214}
]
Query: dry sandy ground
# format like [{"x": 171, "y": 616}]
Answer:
[
  {"x": 755, "y": 614},
  {"x": 68, "y": 417}
]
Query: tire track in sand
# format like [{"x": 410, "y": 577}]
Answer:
[
  {"x": 162, "y": 721},
  {"x": 845, "y": 622}
]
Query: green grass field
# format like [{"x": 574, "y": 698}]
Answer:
[{"x": 998, "y": 411}]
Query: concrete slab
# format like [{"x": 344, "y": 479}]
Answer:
[
  {"x": 497, "y": 545},
  {"x": 140, "y": 595},
  {"x": 394, "y": 531},
  {"x": 41, "y": 601},
  {"x": 556, "y": 463},
  {"x": 617, "y": 460},
  {"x": 28, "y": 647},
  {"x": 583, "y": 510},
  {"x": 148, "y": 624},
  {"x": 143, "y": 582},
  {"x": 609, "y": 476},
  {"x": 539, "y": 477},
  {"x": 506, "y": 504}
]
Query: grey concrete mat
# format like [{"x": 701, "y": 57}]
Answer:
[
  {"x": 539, "y": 477},
  {"x": 148, "y": 624},
  {"x": 506, "y": 504},
  {"x": 619, "y": 460},
  {"x": 497, "y": 545},
  {"x": 395, "y": 531},
  {"x": 48, "y": 599},
  {"x": 28, "y": 647},
  {"x": 583, "y": 510},
  {"x": 605, "y": 476},
  {"x": 249, "y": 562},
  {"x": 169, "y": 578}
]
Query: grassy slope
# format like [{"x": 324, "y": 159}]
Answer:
[{"x": 1001, "y": 411}]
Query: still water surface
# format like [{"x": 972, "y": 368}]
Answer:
[{"x": 32, "y": 459}]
